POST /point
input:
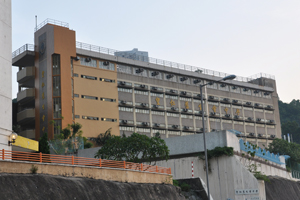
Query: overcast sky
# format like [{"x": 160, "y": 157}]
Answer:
[{"x": 242, "y": 37}]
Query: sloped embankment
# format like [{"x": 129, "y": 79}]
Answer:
[
  {"x": 28, "y": 186},
  {"x": 282, "y": 189}
]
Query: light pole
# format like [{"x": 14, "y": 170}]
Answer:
[{"x": 230, "y": 77}]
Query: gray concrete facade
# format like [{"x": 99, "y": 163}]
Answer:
[{"x": 5, "y": 75}]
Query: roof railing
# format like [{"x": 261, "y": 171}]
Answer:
[
  {"x": 26, "y": 47},
  {"x": 98, "y": 49},
  {"x": 51, "y": 21}
]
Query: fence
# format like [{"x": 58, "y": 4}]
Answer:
[
  {"x": 25, "y": 47},
  {"x": 80, "y": 161}
]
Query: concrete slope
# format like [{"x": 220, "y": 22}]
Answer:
[
  {"x": 37, "y": 187},
  {"x": 282, "y": 189}
]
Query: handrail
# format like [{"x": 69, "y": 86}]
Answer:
[
  {"x": 51, "y": 21},
  {"x": 98, "y": 49},
  {"x": 80, "y": 161},
  {"x": 25, "y": 47}
]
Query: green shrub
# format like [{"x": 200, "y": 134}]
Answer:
[
  {"x": 185, "y": 187},
  {"x": 175, "y": 183},
  {"x": 33, "y": 169}
]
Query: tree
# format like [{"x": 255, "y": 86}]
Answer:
[
  {"x": 283, "y": 147},
  {"x": 43, "y": 144},
  {"x": 101, "y": 139},
  {"x": 134, "y": 148}
]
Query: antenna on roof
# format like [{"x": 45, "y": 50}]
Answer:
[{"x": 35, "y": 21}]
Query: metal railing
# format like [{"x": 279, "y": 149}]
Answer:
[
  {"x": 51, "y": 21},
  {"x": 26, "y": 47},
  {"x": 80, "y": 161},
  {"x": 98, "y": 49}
]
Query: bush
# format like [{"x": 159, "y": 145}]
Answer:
[
  {"x": 33, "y": 169},
  {"x": 185, "y": 187}
]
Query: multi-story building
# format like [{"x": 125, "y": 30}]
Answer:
[
  {"x": 63, "y": 81},
  {"x": 5, "y": 77}
]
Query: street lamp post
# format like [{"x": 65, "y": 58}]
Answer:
[{"x": 230, "y": 77}]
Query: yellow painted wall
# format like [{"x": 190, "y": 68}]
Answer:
[{"x": 96, "y": 108}]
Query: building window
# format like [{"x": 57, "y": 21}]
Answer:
[
  {"x": 56, "y": 108},
  {"x": 124, "y": 69},
  {"x": 90, "y": 118},
  {"x": 185, "y": 99},
  {"x": 142, "y": 111},
  {"x": 107, "y": 80},
  {"x": 88, "y": 62},
  {"x": 212, "y": 85},
  {"x": 172, "y": 114},
  {"x": 159, "y": 131},
  {"x": 246, "y": 91},
  {"x": 56, "y": 86},
  {"x": 125, "y": 128},
  {"x": 171, "y": 97},
  {"x": 143, "y": 130},
  {"x": 187, "y": 116},
  {"x": 89, "y": 97},
  {"x": 108, "y": 119},
  {"x": 235, "y": 89},
  {"x": 76, "y": 95},
  {"x": 158, "y": 113},
  {"x": 89, "y": 77},
  {"x": 156, "y": 95},
  {"x": 56, "y": 64},
  {"x": 77, "y": 116},
  {"x": 125, "y": 109},
  {"x": 107, "y": 65},
  {"x": 124, "y": 90},
  {"x": 75, "y": 75},
  {"x": 140, "y": 92},
  {"x": 57, "y": 126},
  {"x": 187, "y": 133},
  {"x": 108, "y": 99},
  {"x": 223, "y": 87},
  {"x": 174, "y": 132}
]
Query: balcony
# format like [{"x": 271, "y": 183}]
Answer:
[
  {"x": 30, "y": 133},
  {"x": 24, "y": 56},
  {"x": 26, "y": 95},
  {"x": 25, "y": 77},
  {"x": 26, "y": 116},
  {"x": 159, "y": 126},
  {"x": 125, "y": 122}
]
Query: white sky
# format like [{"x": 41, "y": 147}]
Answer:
[{"x": 242, "y": 37}]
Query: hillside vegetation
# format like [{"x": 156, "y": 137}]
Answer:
[{"x": 290, "y": 118}]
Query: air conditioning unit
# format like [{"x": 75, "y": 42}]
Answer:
[
  {"x": 183, "y": 92},
  {"x": 123, "y": 102},
  {"x": 186, "y": 127},
  {"x": 227, "y": 115},
  {"x": 248, "y": 103},
  {"x": 154, "y": 88},
  {"x": 258, "y": 119},
  {"x": 269, "y": 106},
  {"x": 210, "y": 83},
  {"x": 213, "y": 130},
  {"x": 155, "y": 106},
  {"x": 201, "y": 112},
  {"x": 124, "y": 121},
  {"x": 172, "y": 91},
  {"x": 105, "y": 63},
  {"x": 213, "y": 113},
  {"x": 199, "y": 95},
  {"x": 271, "y": 121},
  {"x": 256, "y": 91},
  {"x": 143, "y": 104},
  {"x": 122, "y": 83},
  {"x": 76, "y": 58},
  {"x": 183, "y": 78},
  {"x": 235, "y": 101},
  {"x": 259, "y": 135},
  {"x": 142, "y": 86},
  {"x": 226, "y": 99},
  {"x": 170, "y": 76},
  {"x": 173, "y": 108},
  {"x": 175, "y": 126},
  {"x": 197, "y": 81},
  {"x": 184, "y": 110},
  {"x": 145, "y": 123},
  {"x": 140, "y": 70},
  {"x": 223, "y": 85},
  {"x": 266, "y": 93},
  {"x": 251, "y": 134},
  {"x": 157, "y": 125},
  {"x": 154, "y": 73},
  {"x": 87, "y": 59},
  {"x": 245, "y": 89},
  {"x": 273, "y": 136},
  {"x": 250, "y": 118},
  {"x": 211, "y": 97},
  {"x": 256, "y": 104},
  {"x": 236, "y": 117},
  {"x": 234, "y": 87}
]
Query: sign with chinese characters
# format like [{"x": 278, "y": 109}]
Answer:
[
  {"x": 26, "y": 143},
  {"x": 172, "y": 103},
  {"x": 246, "y": 191},
  {"x": 186, "y": 104},
  {"x": 200, "y": 107},
  {"x": 214, "y": 108},
  {"x": 157, "y": 100},
  {"x": 237, "y": 112},
  {"x": 226, "y": 110}
]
